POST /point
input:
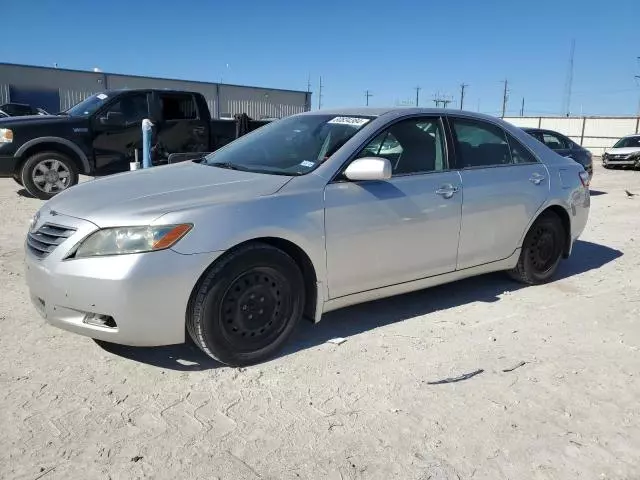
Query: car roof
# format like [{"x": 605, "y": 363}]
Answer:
[{"x": 379, "y": 111}]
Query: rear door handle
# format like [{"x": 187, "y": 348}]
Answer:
[
  {"x": 536, "y": 178},
  {"x": 447, "y": 191}
]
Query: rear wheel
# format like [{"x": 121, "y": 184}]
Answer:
[
  {"x": 246, "y": 306},
  {"x": 541, "y": 251},
  {"x": 48, "y": 173}
]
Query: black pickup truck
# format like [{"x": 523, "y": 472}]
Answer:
[{"x": 101, "y": 135}]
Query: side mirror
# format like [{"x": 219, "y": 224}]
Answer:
[
  {"x": 113, "y": 119},
  {"x": 369, "y": 168}
]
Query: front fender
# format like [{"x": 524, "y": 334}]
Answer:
[{"x": 86, "y": 168}]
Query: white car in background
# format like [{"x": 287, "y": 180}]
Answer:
[{"x": 625, "y": 152}]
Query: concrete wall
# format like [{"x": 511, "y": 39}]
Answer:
[
  {"x": 593, "y": 133},
  {"x": 223, "y": 100}
]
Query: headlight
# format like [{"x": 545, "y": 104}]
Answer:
[
  {"x": 124, "y": 240},
  {"x": 6, "y": 135}
]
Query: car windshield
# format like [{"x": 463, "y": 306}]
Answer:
[
  {"x": 88, "y": 105},
  {"x": 628, "y": 142},
  {"x": 291, "y": 146}
]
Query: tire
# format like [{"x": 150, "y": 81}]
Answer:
[
  {"x": 47, "y": 173},
  {"x": 16, "y": 177},
  {"x": 247, "y": 305},
  {"x": 541, "y": 250}
]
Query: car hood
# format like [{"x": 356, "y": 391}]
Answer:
[
  {"x": 8, "y": 122},
  {"x": 622, "y": 151},
  {"x": 138, "y": 198}
]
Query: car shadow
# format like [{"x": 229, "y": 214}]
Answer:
[
  {"x": 351, "y": 321},
  {"x": 596, "y": 193},
  {"x": 23, "y": 193}
]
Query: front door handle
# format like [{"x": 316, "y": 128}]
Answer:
[
  {"x": 198, "y": 130},
  {"x": 447, "y": 191},
  {"x": 536, "y": 178}
]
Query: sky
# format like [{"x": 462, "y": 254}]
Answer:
[{"x": 386, "y": 47}]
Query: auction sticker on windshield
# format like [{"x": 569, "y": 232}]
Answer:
[{"x": 355, "y": 121}]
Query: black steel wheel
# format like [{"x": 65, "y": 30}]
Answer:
[
  {"x": 541, "y": 250},
  {"x": 247, "y": 305}
]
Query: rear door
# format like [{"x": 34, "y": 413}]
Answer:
[
  {"x": 182, "y": 127},
  {"x": 503, "y": 187}
]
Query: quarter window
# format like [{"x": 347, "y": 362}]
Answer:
[
  {"x": 519, "y": 154},
  {"x": 412, "y": 146},
  {"x": 480, "y": 144}
]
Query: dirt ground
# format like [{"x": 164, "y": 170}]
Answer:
[{"x": 69, "y": 409}]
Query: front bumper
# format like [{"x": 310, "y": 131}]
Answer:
[
  {"x": 606, "y": 161},
  {"x": 145, "y": 294}
]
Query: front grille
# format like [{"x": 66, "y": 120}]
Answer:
[{"x": 45, "y": 240}]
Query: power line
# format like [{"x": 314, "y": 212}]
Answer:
[
  {"x": 462, "y": 87},
  {"x": 367, "y": 94},
  {"x": 320, "y": 94},
  {"x": 418, "y": 96},
  {"x": 438, "y": 99},
  {"x": 505, "y": 96}
]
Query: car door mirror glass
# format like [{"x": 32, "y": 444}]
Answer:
[{"x": 369, "y": 168}]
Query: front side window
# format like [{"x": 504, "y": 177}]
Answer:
[
  {"x": 129, "y": 108},
  {"x": 554, "y": 142},
  {"x": 291, "y": 146},
  {"x": 480, "y": 144},
  {"x": 412, "y": 146}
]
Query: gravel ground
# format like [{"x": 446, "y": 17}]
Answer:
[{"x": 70, "y": 409}]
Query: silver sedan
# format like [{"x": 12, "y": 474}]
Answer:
[{"x": 308, "y": 214}]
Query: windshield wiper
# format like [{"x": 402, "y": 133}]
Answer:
[{"x": 228, "y": 165}]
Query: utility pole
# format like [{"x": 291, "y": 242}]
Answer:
[
  {"x": 320, "y": 94},
  {"x": 462, "y": 87},
  {"x": 566, "y": 101},
  {"x": 438, "y": 99},
  {"x": 367, "y": 94},
  {"x": 309, "y": 84},
  {"x": 505, "y": 95},
  {"x": 522, "y": 108},
  {"x": 418, "y": 96}
]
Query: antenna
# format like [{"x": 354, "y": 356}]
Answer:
[
  {"x": 566, "y": 99},
  {"x": 320, "y": 94}
]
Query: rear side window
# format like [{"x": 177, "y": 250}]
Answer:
[
  {"x": 555, "y": 142},
  {"x": 480, "y": 144},
  {"x": 520, "y": 154},
  {"x": 176, "y": 106}
]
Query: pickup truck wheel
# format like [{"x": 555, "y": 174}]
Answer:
[
  {"x": 246, "y": 306},
  {"x": 48, "y": 173},
  {"x": 541, "y": 250},
  {"x": 17, "y": 179}
]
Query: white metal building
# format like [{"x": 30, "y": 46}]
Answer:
[{"x": 56, "y": 89}]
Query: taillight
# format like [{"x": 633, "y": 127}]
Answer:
[{"x": 584, "y": 178}]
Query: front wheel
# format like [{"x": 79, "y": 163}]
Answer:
[
  {"x": 48, "y": 173},
  {"x": 246, "y": 306},
  {"x": 541, "y": 250}
]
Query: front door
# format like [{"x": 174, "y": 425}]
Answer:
[
  {"x": 118, "y": 132},
  {"x": 504, "y": 186},
  {"x": 382, "y": 233}
]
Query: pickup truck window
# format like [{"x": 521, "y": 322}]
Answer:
[
  {"x": 88, "y": 106},
  {"x": 291, "y": 146},
  {"x": 176, "y": 106},
  {"x": 130, "y": 108}
]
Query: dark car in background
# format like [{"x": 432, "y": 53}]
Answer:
[
  {"x": 564, "y": 146},
  {"x": 20, "y": 109}
]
